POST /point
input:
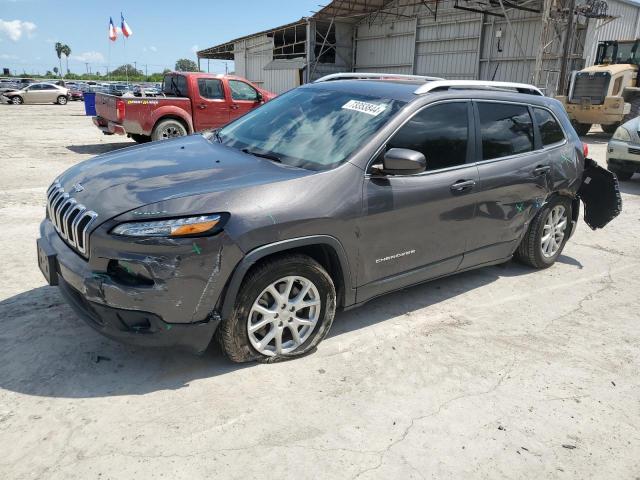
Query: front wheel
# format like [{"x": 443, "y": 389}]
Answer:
[
  {"x": 547, "y": 234},
  {"x": 167, "y": 129},
  {"x": 17, "y": 100},
  {"x": 610, "y": 129},
  {"x": 62, "y": 100},
  {"x": 284, "y": 309}
]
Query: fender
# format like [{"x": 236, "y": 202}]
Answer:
[
  {"x": 169, "y": 111},
  {"x": 233, "y": 286}
]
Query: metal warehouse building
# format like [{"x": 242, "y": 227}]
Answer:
[{"x": 532, "y": 41}]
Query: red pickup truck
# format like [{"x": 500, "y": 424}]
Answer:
[{"x": 191, "y": 102}]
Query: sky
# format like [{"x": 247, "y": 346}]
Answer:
[{"x": 163, "y": 31}]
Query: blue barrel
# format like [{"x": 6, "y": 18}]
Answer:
[{"x": 90, "y": 103}]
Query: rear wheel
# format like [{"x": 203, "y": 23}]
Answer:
[
  {"x": 168, "y": 129},
  {"x": 17, "y": 100},
  {"x": 581, "y": 128},
  {"x": 138, "y": 138},
  {"x": 284, "y": 309},
  {"x": 610, "y": 129},
  {"x": 547, "y": 234},
  {"x": 62, "y": 100}
]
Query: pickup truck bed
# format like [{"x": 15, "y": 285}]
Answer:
[{"x": 193, "y": 102}]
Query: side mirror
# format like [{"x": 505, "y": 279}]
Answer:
[
  {"x": 402, "y": 161},
  {"x": 259, "y": 97}
]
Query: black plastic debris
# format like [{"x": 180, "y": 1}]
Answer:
[{"x": 600, "y": 194}]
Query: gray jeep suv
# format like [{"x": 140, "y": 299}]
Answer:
[{"x": 322, "y": 199}]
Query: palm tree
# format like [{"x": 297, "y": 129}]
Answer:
[
  {"x": 58, "y": 46},
  {"x": 66, "y": 49}
]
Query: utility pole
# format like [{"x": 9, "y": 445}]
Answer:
[
  {"x": 208, "y": 65},
  {"x": 566, "y": 49},
  {"x": 135, "y": 67},
  {"x": 145, "y": 70}
]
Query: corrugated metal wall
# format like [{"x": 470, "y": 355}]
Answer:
[
  {"x": 625, "y": 27},
  {"x": 252, "y": 55},
  {"x": 386, "y": 47},
  {"x": 458, "y": 44}
]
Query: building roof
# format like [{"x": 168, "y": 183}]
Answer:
[{"x": 224, "y": 51}]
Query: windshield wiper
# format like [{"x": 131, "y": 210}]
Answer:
[{"x": 268, "y": 156}]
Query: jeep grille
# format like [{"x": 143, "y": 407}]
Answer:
[{"x": 70, "y": 219}]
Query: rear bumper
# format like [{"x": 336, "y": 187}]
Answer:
[
  {"x": 139, "y": 328},
  {"x": 108, "y": 127}
]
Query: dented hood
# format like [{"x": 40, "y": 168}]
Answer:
[{"x": 117, "y": 182}]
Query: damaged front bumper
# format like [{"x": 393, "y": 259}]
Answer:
[{"x": 163, "y": 293}]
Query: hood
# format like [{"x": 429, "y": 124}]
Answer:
[{"x": 115, "y": 183}]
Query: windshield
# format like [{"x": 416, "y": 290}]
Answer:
[
  {"x": 618, "y": 52},
  {"x": 310, "y": 127}
]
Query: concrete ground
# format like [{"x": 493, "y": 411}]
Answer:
[{"x": 504, "y": 372}]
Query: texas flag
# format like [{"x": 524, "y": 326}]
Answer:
[
  {"x": 113, "y": 31},
  {"x": 126, "y": 30}
]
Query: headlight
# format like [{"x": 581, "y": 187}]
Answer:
[
  {"x": 622, "y": 133},
  {"x": 176, "y": 227}
]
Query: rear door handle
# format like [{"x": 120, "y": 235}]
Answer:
[
  {"x": 202, "y": 106},
  {"x": 462, "y": 185},
  {"x": 541, "y": 170}
]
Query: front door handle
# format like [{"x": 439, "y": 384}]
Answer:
[
  {"x": 541, "y": 170},
  {"x": 462, "y": 185},
  {"x": 234, "y": 107}
]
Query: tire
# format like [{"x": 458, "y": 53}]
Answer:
[
  {"x": 532, "y": 251},
  {"x": 17, "y": 100},
  {"x": 622, "y": 175},
  {"x": 62, "y": 100},
  {"x": 610, "y": 129},
  {"x": 635, "y": 108},
  {"x": 167, "y": 129},
  {"x": 581, "y": 128},
  {"x": 242, "y": 344},
  {"x": 138, "y": 138}
]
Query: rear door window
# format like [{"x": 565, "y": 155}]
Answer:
[
  {"x": 550, "y": 130},
  {"x": 210, "y": 88},
  {"x": 505, "y": 129},
  {"x": 440, "y": 132}
]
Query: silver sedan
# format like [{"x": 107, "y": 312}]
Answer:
[
  {"x": 38, "y": 93},
  {"x": 623, "y": 151}
]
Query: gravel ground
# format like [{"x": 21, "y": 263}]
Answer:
[{"x": 503, "y": 372}]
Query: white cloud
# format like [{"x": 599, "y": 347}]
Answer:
[
  {"x": 5, "y": 56},
  {"x": 195, "y": 48},
  {"x": 15, "y": 29},
  {"x": 91, "y": 57},
  {"x": 153, "y": 49}
]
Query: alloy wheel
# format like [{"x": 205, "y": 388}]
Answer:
[
  {"x": 553, "y": 231},
  {"x": 171, "y": 132},
  {"x": 284, "y": 316}
]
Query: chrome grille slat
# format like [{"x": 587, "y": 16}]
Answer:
[{"x": 72, "y": 228}]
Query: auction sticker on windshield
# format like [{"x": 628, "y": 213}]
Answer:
[{"x": 364, "y": 107}]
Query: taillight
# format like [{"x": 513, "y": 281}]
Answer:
[
  {"x": 120, "y": 110},
  {"x": 585, "y": 150}
]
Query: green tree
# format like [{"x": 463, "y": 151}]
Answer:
[
  {"x": 66, "y": 50},
  {"x": 186, "y": 65},
  {"x": 58, "y": 47},
  {"x": 124, "y": 70}
]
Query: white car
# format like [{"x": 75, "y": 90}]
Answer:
[
  {"x": 623, "y": 151},
  {"x": 38, "y": 93}
]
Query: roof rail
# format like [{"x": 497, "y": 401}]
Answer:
[
  {"x": 375, "y": 76},
  {"x": 478, "y": 84}
]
